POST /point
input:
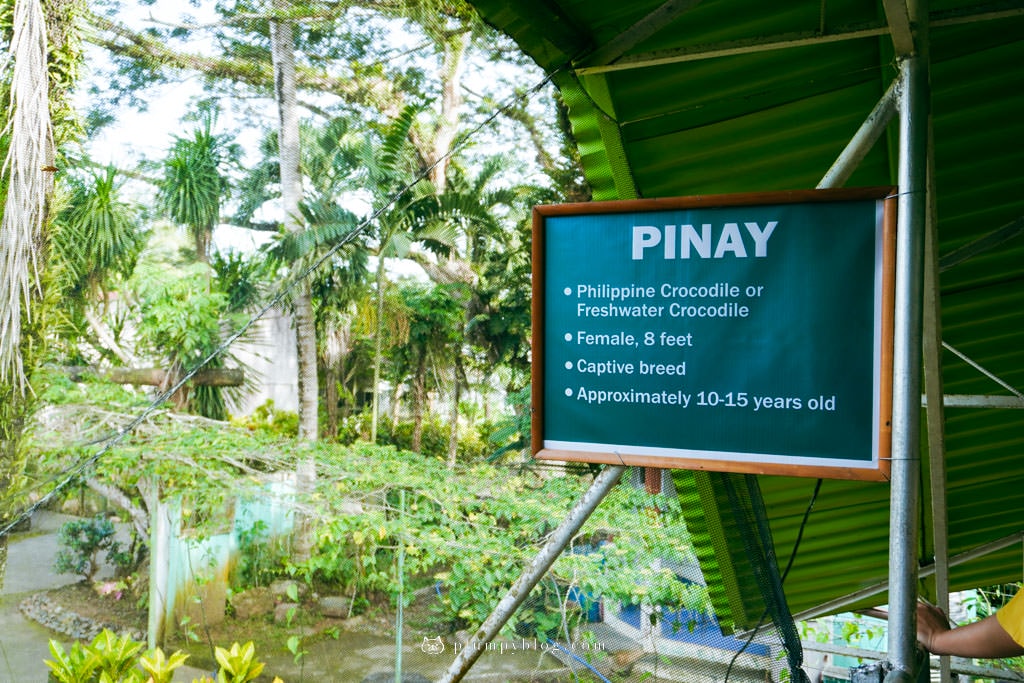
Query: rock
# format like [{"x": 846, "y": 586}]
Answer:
[
  {"x": 283, "y": 611},
  {"x": 335, "y": 606},
  {"x": 354, "y": 623},
  {"x": 280, "y": 588},
  {"x": 253, "y": 602},
  {"x": 44, "y": 611}
]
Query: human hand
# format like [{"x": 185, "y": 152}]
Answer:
[{"x": 931, "y": 621}]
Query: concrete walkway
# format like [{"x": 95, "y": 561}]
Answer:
[{"x": 24, "y": 644}]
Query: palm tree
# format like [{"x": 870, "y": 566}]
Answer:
[
  {"x": 96, "y": 241},
  {"x": 193, "y": 184},
  {"x": 382, "y": 163}
]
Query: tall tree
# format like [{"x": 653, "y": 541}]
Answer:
[
  {"x": 44, "y": 54},
  {"x": 283, "y": 52},
  {"x": 282, "y": 47},
  {"x": 434, "y": 338}
]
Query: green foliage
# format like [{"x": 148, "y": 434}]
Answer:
[
  {"x": 474, "y": 528},
  {"x": 159, "y": 666},
  {"x": 471, "y": 528},
  {"x": 78, "y": 665},
  {"x": 261, "y": 558},
  {"x": 434, "y": 440},
  {"x": 109, "y": 658},
  {"x": 115, "y": 659},
  {"x": 81, "y": 543},
  {"x": 194, "y": 183},
  {"x": 181, "y": 319},
  {"x": 269, "y": 420},
  {"x": 512, "y": 433},
  {"x": 242, "y": 278},
  {"x": 97, "y": 237},
  {"x": 238, "y": 664},
  {"x": 117, "y": 656},
  {"x": 56, "y": 388}
]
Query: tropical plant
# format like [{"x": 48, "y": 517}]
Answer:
[
  {"x": 115, "y": 659},
  {"x": 238, "y": 664},
  {"x": 159, "y": 666},
  {"x": 96, "y": 243},
  {"x": 98, "y": 234},
  {"x": 194, "y": 183},
  {"x": 434, "y": 314},
  {"x": 181, "y": 323},
  {"x": 42, "y": 57},
  {"x": 77, "y": 665}
]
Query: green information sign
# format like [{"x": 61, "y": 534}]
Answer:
[{"x": 746, "y": 333}]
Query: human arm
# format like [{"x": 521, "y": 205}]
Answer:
[{"x": 984, "y": 639}]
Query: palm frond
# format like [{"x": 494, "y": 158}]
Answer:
[
  {"x": 326, "y": 224},
  {"x": 396, "y": 137}
]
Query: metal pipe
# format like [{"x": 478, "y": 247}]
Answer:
[
  {"x": 975, "y": 401},
  {"x": 399, "y": 615},
  {"x": 936, "y": 419},
  {"x": 977, "y": 366},
  {"x": 906, "y": 465},
  {"x": 862, "y": 141},
  {"x": 840, "y": 603},
  {"x": 559, "y": 538},
  {"x": 874, "y": 655}
]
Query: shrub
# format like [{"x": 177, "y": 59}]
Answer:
[
  {"x": 82, "y": 542},
  {"x": 116, "y": 658}
]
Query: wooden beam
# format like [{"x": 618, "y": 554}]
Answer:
[{"x": 209, "y": 377}]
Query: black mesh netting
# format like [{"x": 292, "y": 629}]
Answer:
[{"x": 776, "y": 623}]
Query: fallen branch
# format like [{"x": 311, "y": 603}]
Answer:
[{"x": 157, "y": 377}]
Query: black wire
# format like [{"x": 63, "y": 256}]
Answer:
[{"x": 789, "y": 565}]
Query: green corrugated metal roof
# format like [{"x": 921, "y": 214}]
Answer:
[{"x": 726, "y": 116}]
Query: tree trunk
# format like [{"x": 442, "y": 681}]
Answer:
[
  {"x": 419, "y": 397},
  {"x": 378, "y": 349},
  {"x": 37, "y": 41},
  {"x": 453, "y": 433},
  {"x": 331, "y": 399},
  {"x": 283, "y": 51},
  {"x": 105, "y": 337},
  {"x": 283, "y": 55},
  {"x": 451, "y": 100}
]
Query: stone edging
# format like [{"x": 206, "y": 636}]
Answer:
[{"x": 41, "y": 609}]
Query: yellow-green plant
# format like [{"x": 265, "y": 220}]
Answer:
[
  {"x": 76, "y": 665},
  {"x": 159, "y": 666},
  {"x": 239, "y": 664},
  {"x": 116, "y": 657},
  {"x": 112, "y": 659}
]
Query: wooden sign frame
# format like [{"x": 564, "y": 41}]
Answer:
[{"x": 684, "y": 456}]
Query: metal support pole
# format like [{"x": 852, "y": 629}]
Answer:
[
  {"x": 560, "y": 538},
  {"x": 935, "y": 414},
  {"x": 862, "y": 141},
  {"x": 906, "y": 420}
]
